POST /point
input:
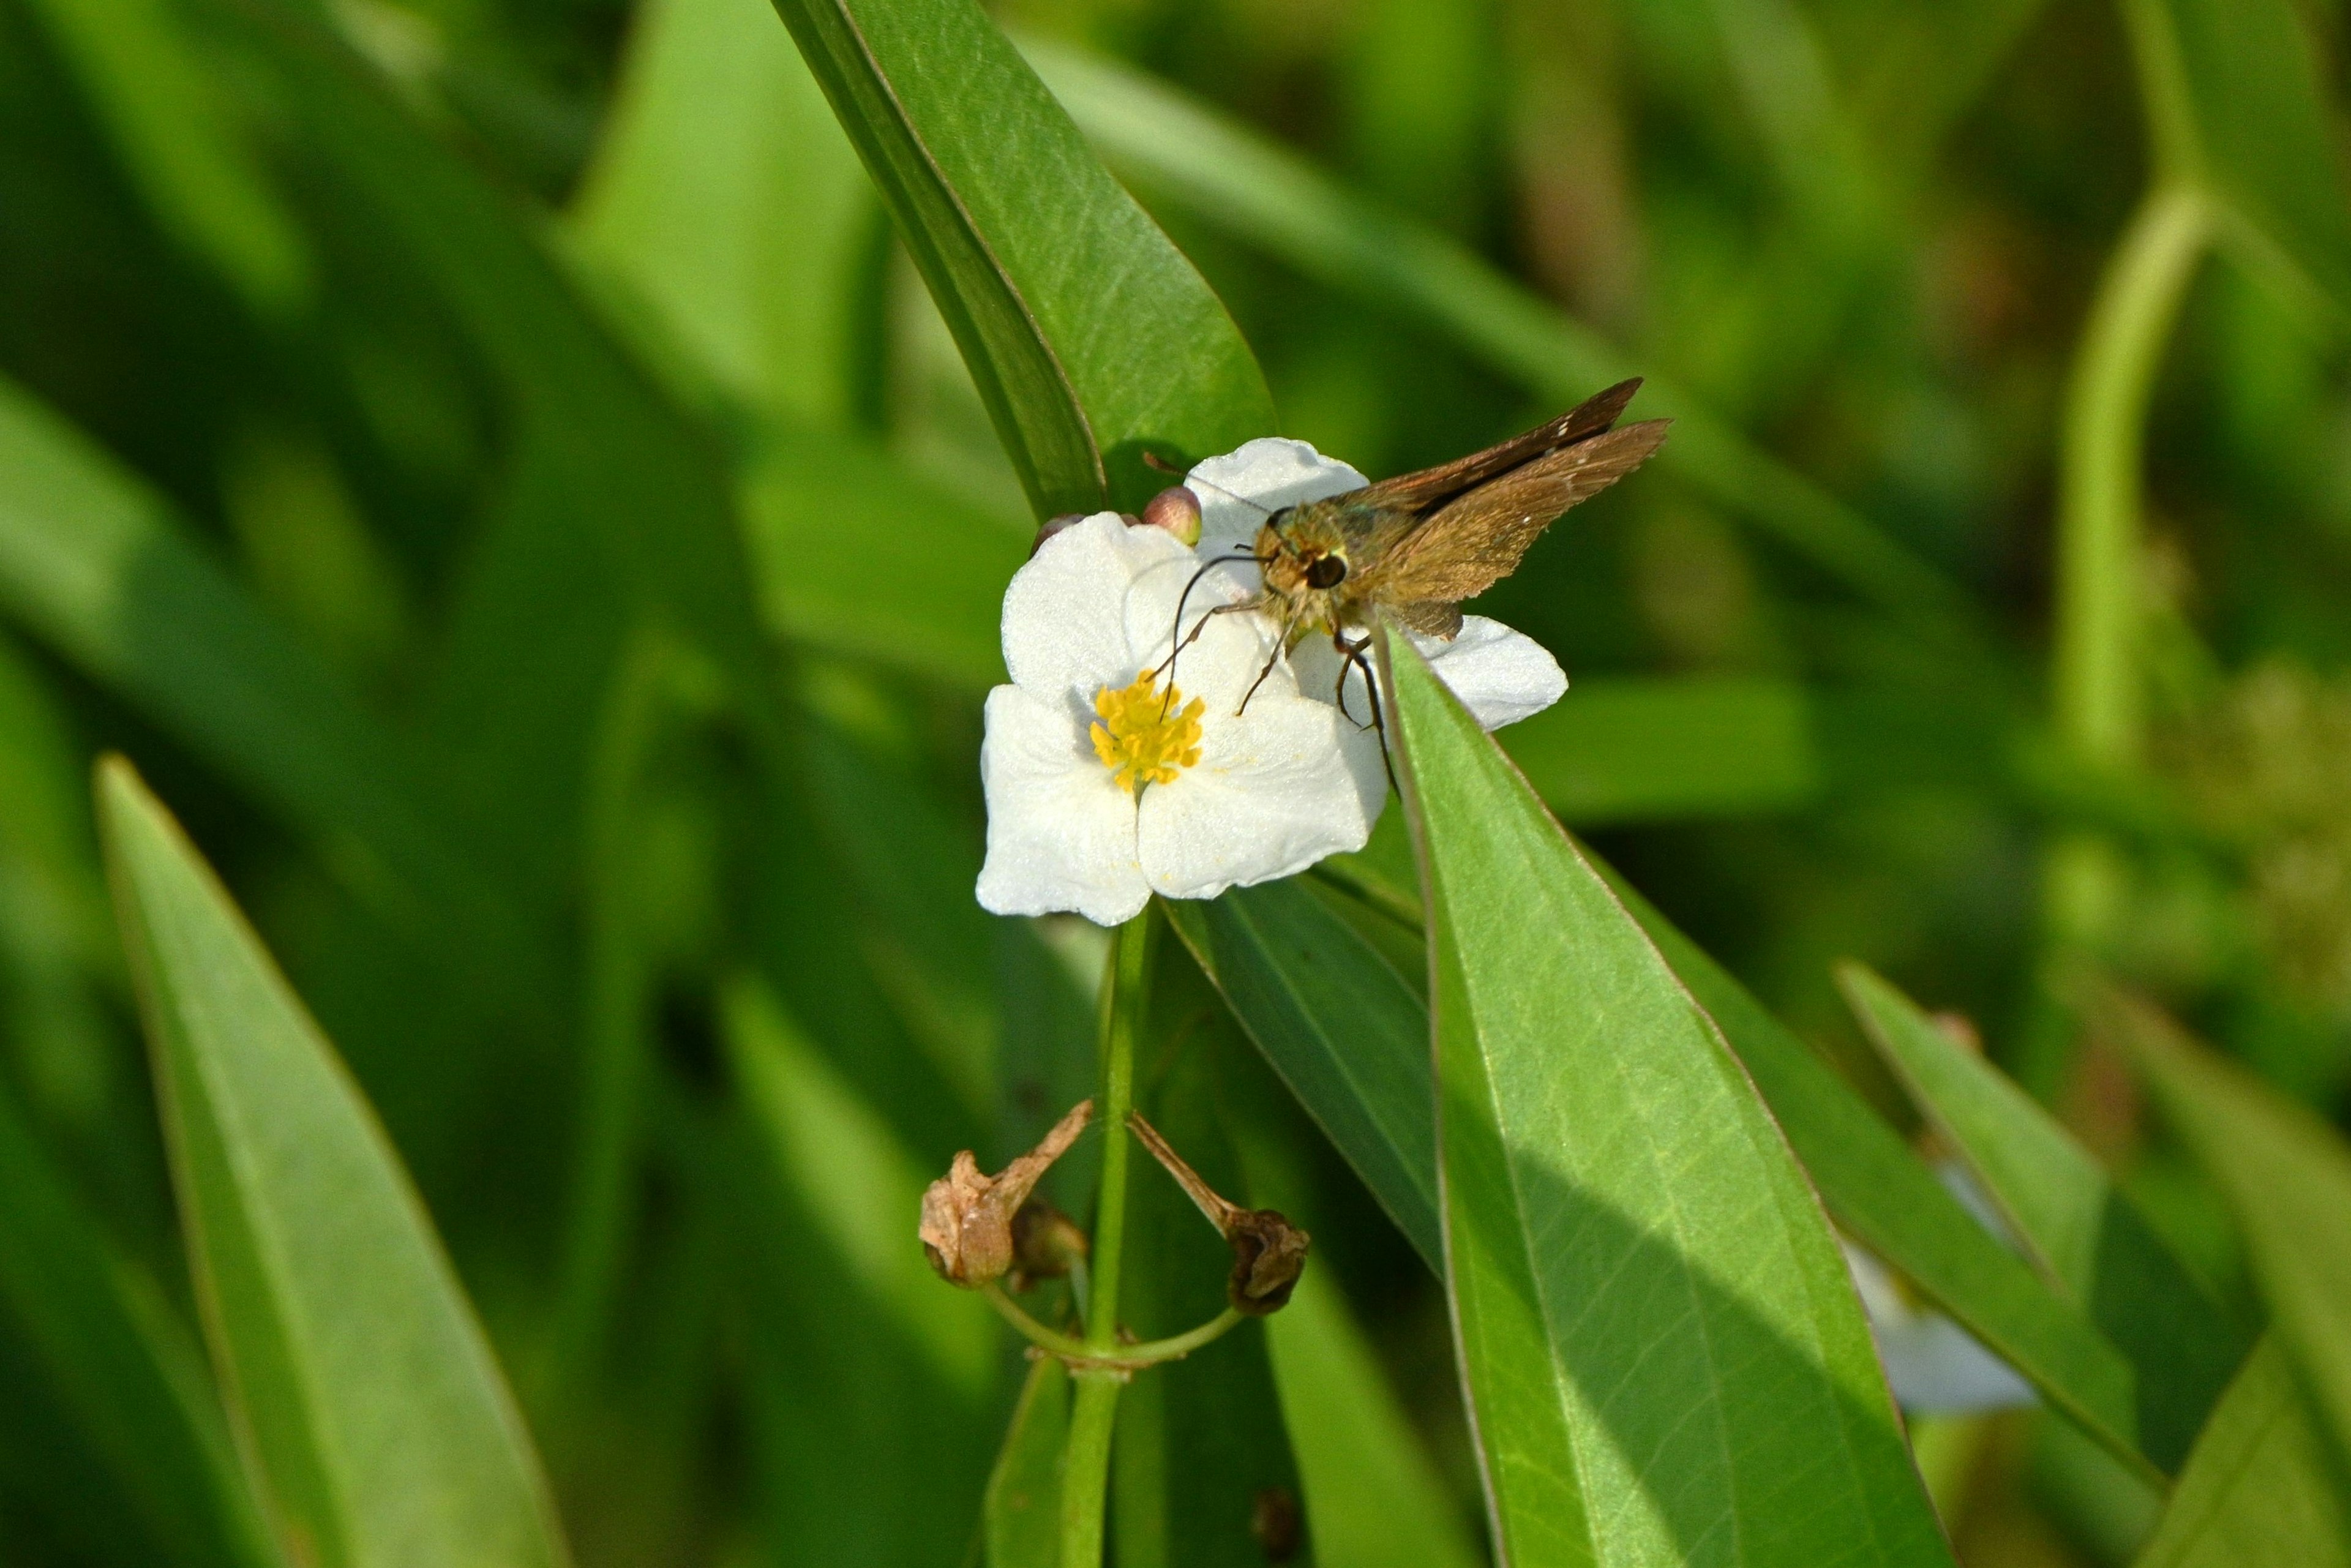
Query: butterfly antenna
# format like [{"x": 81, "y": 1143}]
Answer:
[{"x": 1155, "y": 461}]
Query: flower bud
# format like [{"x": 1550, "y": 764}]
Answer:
[
  {"x": 1177, "y": 510},
  {"x": 966, "y": 1227}
]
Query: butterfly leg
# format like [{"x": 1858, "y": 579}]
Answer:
[{"x": 1352, "y": 656}]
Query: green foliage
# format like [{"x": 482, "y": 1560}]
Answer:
[
  {"x": 373, "y": 1420},
  {"x": 1722, "y": 1379},
  {"x": 534, "y": 485}
]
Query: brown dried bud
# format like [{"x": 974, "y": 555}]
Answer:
[
  {"x": 1268, "y": 1252},
  {"x": 1177, "y": 510},
  {"x": 1046, "y": 1244},
  {"x": 966, "y": 1227}
]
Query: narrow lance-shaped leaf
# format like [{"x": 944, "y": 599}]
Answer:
[
  {"x": 2261, "y": 1489},
  {"x": 1659, "y": 1341},
  {"x": 1289, "y": 967},
  {"x": 371, "y": 1416},
  {"x": 2287, "y": 1177},
  {"x": 2097, "y": 1245},
  {"x": 1088, "y": 334},
  {"x": 1021, "y": 1513}
]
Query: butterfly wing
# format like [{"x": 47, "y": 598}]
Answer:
[
  {"x": 1419, "y": 491},
  {"x": 1473, "y": 542}
]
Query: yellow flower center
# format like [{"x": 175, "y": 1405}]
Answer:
[{"x": 1146, "y": 735}]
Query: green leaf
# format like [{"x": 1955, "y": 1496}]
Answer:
[
  {"x": 2287, "y": 1177},
  {"x": 1021, "y": 1514},
  {"x": 1241, "y": 184},
  {"x": 175, "y": 131},
  {"x": 2240, "y": 87},
  {"x": 1887, "y": 1199},
  {"x": 1088, "y": 334},
  {"x": 123, "y": 1369},
  {"x": 1339, "y": 1026},
  {"x": 94, "y": 563},
  {"x": 725, "y": 194},
  {"x": 1656, "y": 1331},
  {"x": 371, "y": 1413},
  {"x": 2089, "y": 1236},
  {"x": 2261, "y": 1489},
  {"x": 1636, "y": 748}
]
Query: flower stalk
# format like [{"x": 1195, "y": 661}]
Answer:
[{"x": 1096, "y": 1370}]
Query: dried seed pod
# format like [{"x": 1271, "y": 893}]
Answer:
[
  {"x": 1046, "y": 1244},
  {"x": 967, "y": 1225},
  {"x": 1177, "y": 510},
  {"x": 1268, "y": 1252}
]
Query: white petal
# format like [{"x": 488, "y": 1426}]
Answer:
[
  {"x": 1235, "y": 491},
  {"x": 1060, "y": 835},
  {"x": 1275, "y": 791},
  {"x": 1501, "y": 675},
  {"x": 1065, "y": 610}
]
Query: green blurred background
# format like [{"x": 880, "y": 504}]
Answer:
[{"x": 332, "y": 333}]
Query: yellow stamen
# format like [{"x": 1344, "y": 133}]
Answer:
[{"x": 1146, "y": 735}]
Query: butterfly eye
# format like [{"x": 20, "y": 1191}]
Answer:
[{"x": 1325, "y": 571}]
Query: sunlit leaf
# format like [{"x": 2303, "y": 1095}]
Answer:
[
  {"x": 2287, "y": 1177},
  {"x": 371, "y": 1415},
  {"x": 2084, "y": 1230},
  {"x": 2261, "y": 1489},
  {"x": 1087, "y": 333},
  {"x": 1657, "y": 1330}
]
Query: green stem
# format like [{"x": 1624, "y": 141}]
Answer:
[
  {"x": 2100, "y": 582},
  {"x": 1078, "y": 1356},
  {"x": 1085, "y": 1463}
]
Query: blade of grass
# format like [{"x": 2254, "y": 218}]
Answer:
[{"x": 367, "y": 1408}]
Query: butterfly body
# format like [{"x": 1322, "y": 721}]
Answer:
[{"x": 1416, "y": 546}]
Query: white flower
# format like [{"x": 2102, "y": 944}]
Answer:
[
  {"x": 1501, "y": 675},
  {"x": 1104, "y": 787}
]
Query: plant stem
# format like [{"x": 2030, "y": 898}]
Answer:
[
  {"x": 1079, "y": 1358},
  {"x": 1085, "y": 1463}
]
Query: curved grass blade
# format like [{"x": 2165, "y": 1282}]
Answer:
[
  {"x": 1248, "y": 186},
  {"x": 1088, "y": 334},
  {"x": 122, "y": 1368},
  {"x": 2089, "y": 1236},
  {"x": 2261, "y": 1489},
  {"x": 1658, "y": 1339},
  {"x": 2287, "y": 1177},
  {"x": 375, "y": 1427}
]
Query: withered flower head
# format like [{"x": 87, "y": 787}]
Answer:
[
  {"x": 967, "y": 1228},
  {"x": 1268, "y": 1252}
]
